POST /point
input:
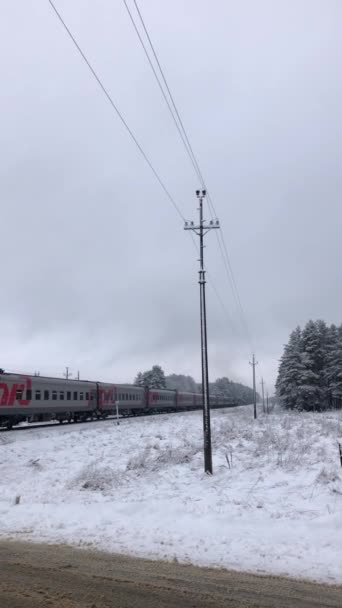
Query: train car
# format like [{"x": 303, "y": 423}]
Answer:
[
  {"x": 198, "y": 400},
  {"x": 129, "y": 399},
  {"x": 37, "y": 399},
  {"x": 185, "y": 401},
  {"x": 188, "y": 401},
  {"x": 222, "y": 402},
  {"x": 161, "y": 400}
]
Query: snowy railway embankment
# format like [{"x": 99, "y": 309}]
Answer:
[{"x": 274, "y": 504}]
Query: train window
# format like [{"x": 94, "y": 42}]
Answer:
[
  {"x": 38, "y": 395},
  {"x": 19, "y": 394},
  {"x": 81, "y": 396},
  {"x": 29, "y": 394},
  {"x": 69, "y": 395},
  {"x": 75, "y": 395},
  {"x": 46, "y": 395},
  {"x": 61, "y": 395},
  {"x": 87, "y": 396},
  {"x": 54, "y": 395}
]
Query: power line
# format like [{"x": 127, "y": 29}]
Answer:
[
  {"x": 110, "y": 99},
  {"x": 180, "y": 131},
  {"x": 189, "y": 146},
  {"x": 186, "y": 142},
  {"x": 179, "y": 124},
  {"x": 119, "y": 114}
]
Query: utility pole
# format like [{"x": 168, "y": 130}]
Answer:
[
  {"x": 254, "y": 363},
  {"x": 67, "y": 373},
  {"x": 201, "y": 230},
  {"x": 263, "y": 395},
  {"x": 267, "y": 410},
  {"x": 78, "y": 375}
]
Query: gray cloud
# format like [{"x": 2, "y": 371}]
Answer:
[{"x": 96, "y": 270}]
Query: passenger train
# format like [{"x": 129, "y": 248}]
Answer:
[{"x": 39, "y": 399}]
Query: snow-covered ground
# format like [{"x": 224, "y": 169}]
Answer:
[{"x": 139, "y": 488}]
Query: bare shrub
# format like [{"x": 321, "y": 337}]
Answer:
[
  {"x": 96, "y": 478},
  {"x": 152, "y": 460},
  {"x": 138, "y": 461},
  {"x": 327, "y": 476},
  {"x": 175, "y": 456},
  {"x": 286, "y": 445}
]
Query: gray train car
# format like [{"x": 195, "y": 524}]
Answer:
[
  {"x": 161, "y": 400},
  {"x": 131, "y": 400},
  {"x": 37, "y": 398}
]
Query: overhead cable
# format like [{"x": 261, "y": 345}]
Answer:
[
  {"x": 186, "y": 142},
  {"x": 114, "y": 106}
]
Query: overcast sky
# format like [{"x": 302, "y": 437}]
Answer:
[{"x": 96, "y": 270}]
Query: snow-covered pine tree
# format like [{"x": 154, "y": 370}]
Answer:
[
  {"x": 290, "y": 372},
  {"x": 310, "y": 370},
  {"x": 157, "y": 378},
  {"x": 321, "y": 356},
  {"x": 330, "y": 362},
  {"x": 334, "y": 363},
  {"x": 181, "y": 383},
  {"x": 310, "y": 393},
  {"x": 139, "y": 380},
  {"x": 152, "y": 378}
]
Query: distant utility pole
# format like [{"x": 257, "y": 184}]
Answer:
[
  {"x": 201, "y": 230},
  {"x": 67, "y": 374},
  {"x": 263, "y": 395},
  {"x": 254, "y": 363},
  {"x": 78, "y": 375},
  {"x": 267, "y": 410}
]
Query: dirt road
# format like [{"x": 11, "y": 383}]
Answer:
[{"x": 33, "y": 576}]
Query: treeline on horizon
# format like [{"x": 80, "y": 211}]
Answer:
[
  {"x": 223, "y": 387},
  {"x": 310, "y": 370}
]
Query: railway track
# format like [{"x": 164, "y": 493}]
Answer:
[{"x": 56, "y": 424}]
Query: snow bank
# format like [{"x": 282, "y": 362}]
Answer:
[{"x": 272, "y": 506}]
